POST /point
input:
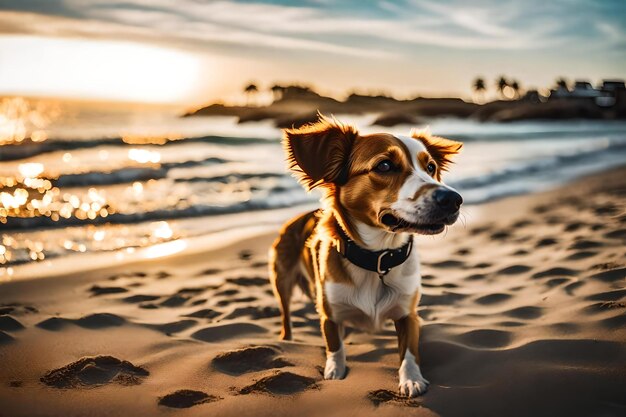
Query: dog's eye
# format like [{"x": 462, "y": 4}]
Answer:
[
  {"x": 384, "y": 166},
  {"x": 431, "y": 168}
]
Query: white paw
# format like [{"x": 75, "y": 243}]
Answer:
[
  {"x": 335, "y": 364},
  {"x": 410, "y": 388},
  {"x": 412, "y": 383}
]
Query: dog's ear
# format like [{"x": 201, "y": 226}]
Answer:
[
  {"x": 441, "y": 149},
  {"x": 317, "y": 154}
]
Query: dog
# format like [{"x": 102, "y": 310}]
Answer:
[{"x": 355, "y": 257}]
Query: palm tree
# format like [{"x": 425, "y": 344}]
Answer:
[
  {"x": 562, "y": 83},
  {"x": 277, "y": 92},
  {"x": 250, "y": 90},
  {"x": 501, "y": 84},
  {"x": 480, "y": 87},
  {"x": 516, "y": 88}
]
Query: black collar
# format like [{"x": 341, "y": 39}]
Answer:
[{"x": 381, "y": 261}]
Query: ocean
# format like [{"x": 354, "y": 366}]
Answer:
[{"x": 122, "y": 181}]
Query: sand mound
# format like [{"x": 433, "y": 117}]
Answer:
[
  {"x": 9, "y": 324},
  {"x": 186, "y": 398},
  {"x": 383, "y": 396},
  {"x": 5, "y": 338},
  {"x": 92, "y": 321},
  {"x": 281, "y": 383},
  {"x": 205, "y": 313},
  {"x": 249, "y": 359},
  {"x": 95, "y": 371},
  {"x": 228, "y": 331}
]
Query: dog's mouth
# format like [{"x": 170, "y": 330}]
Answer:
[{"x": 397, "y": 224}]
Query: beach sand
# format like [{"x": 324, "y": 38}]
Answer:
[{"x": 523, "y": 310}]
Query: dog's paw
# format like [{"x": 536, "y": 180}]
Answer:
[
  {"x": 412, "y": 388},
  {"x": 412, "y": 383},
  {"x": 335, "y": 365}
]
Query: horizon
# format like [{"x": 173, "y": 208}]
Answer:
[{"x": 195, "y": 53}]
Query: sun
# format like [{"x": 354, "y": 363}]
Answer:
[{"x": 96, "y": 69}]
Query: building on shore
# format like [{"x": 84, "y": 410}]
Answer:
[{"x": 604, "y": 95}]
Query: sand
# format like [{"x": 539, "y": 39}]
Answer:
[{"x": 524, "y": 313}]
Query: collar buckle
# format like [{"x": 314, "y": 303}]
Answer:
[{"x": 380, "y": 261}]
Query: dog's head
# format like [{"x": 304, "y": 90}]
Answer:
[{"x": 386, "y": 181}]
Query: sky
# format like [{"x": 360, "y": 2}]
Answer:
[{"x": 194, "y": 51}]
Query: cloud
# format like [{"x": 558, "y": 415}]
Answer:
[{"x": 362, "y": 29}]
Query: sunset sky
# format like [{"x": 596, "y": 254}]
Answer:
[{"x": 193, "y": 51}]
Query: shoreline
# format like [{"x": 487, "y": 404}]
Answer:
[{"x": 71, "y": 264}]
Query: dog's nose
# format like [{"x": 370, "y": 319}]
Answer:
[{"x": 447, "y": 199}]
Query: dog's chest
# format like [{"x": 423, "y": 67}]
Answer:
[{"x": 368, "y": 302}]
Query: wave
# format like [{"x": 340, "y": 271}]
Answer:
[
  {"x": 276, "y": 197},
  {"x": 29, "y": 149},
  {"x": 234, "y": 177},
  {"x": 128, "y": 175},
  {"x": 538, "y": 167}
]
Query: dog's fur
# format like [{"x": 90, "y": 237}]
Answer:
[{"x": 357, "y": 197}]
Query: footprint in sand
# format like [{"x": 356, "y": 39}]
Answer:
[
  {"x": 524, "y": 313},
  {"x": 228, "y": 331},
  {"x": 249, "y": 359},
  {"x": 97, "y": 290},
  {"x": 494, "y": 298},
  {"x": 514, "y": 270},
  {"x": 448, "y": 264},
  {"x": 606, "y": 266},
  {"x": 572, "y": 227},
  {"x": 546, "y": 242},
  {"x": 95, "y": 371},
  {"x": 223, "y": 303},
  {"x": 605, "y": 306},
  {"x": 615, "y": 295},
  {"x": 128, "y": 275},
  {"x": 245, "y": 255},
  {"x": 463, "y": 251},
  {"x": 254, "y": 312},
  {"x": 555, "y": 282},
  {"x": 485, "y": 338},
  {"x": 249, "y": 281},
  {"x": 475, "y": 277},
  {"x": 610, "y": 276},
  {"x": 445, "y": 298},
  {"x": 176, "y": 300},
  {"x": 586, "y": 244},
  {"x": 210, "y": 271},
  {"x": 17, "y": 309},
  {"x": 281, "y": 383},
  {"x": 205, "y": 313},
  {"x": 140, "y": 298},
  {"x": 583, "y": 254},
  {"x": 383, "y": 396},
  {"x": 557, "y": 271},
  {"x": 616, "y": 234},
  {"x": 227, "y": 292},
  {"x": 92, "y": 321},
  {"x": 186, "y": 398},
  {"x": 503, "y": 235},
  {"x": 5, "y": 337},
  {"x": 173, "y": 327},
  {"x": 9, "y": 324}
]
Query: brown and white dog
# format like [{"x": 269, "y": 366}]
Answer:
[{"x": 378, "y": 190}]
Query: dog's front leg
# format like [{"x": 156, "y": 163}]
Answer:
[
  {"x": 412, "y": 383},
  {"x": 335, "y": 353}
]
